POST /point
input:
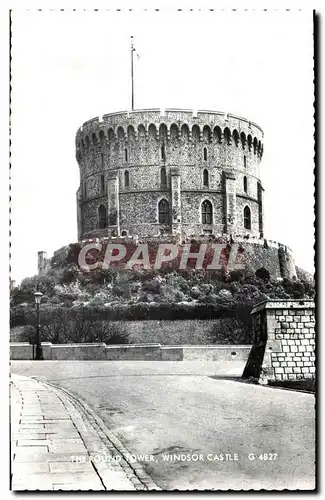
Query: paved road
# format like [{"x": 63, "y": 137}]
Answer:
[{"x": 170, "y": 408}]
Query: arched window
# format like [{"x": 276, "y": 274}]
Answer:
[
  {"x": 126, "y": 179},
  {"x": 205, "y": 178},
  {"x": 206, "y": 211},
  {"x": 125, "y": 154},
  {"x": 205, "y": 154},
  {"x": 249, "y": 142},
  {"x": 247, "y": 218},
  {"x": 163, "y": 212},
  {"x": 102, "y": 137},
  {"x": 162, "y": 151},
  {"x": 102, "y": 217},
  {"x": 235, "y": 135},
  {"x": 94, "y": 139},
  {"x": 163, "y": 177},
  {"x": 227, "y": 136},
  {"x": 245, "y": 184},
  {"x": 102, "y": 184},
  {"x": 245, "y": 163}
]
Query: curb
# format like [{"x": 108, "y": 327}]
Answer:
[{"x": 109, "y": 443}]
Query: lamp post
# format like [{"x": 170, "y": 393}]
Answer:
[{"x": 39, "y": 353}]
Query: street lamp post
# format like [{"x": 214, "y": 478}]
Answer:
[{"x": 39, "y": 353}]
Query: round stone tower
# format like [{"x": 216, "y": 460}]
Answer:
[{"x": 152, "y": 172}]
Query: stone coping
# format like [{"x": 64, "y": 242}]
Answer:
[
  {"x": 193, "y": 113},
  {"x": 284, "y": 304}
]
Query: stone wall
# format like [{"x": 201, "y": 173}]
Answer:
[
  {"x": 252, "y": 254},
  {"x": 144, "y": 352},
  {"x": 284, "y": 341},
  {"x": 186, "y": 332}
]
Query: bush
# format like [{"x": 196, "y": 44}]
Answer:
[
  {"x": 123, "y": 291},
  {"x": 61, "y": 325}
]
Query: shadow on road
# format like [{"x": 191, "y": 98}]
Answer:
[{"x": 308, "y": 386}]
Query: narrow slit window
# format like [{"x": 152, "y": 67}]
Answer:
[
  {"x": 205, "y": 178},
  {"x": 126, "y": 179},
  {"x": 102, "y": 217},
  {"x": 163, "y": 152},
  {"x": 205, "y": 154},
  {"x": 102, "y": 184},
  {"x": 163, "y": 177}
]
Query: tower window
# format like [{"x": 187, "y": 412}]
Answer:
[
  {"x": 247, "y": 218},
  {"x": 163, "y": 153},
  {"x": 126, "y": 179},
  {"x": 102, "y": 184},
  {"x": 245, "y": 164},
  {"x": 206, "y": 211},
  {"x": 126, "y": 154},
  {"x": 163, "y": 177},
  {"x": 205, "y": 178},
  {"x": 163, "y": 212},
  {"x": 245, "y": 184},
  {"x": 205, "y": 154},
  {"x": 102, "y": 217},
  {"x": 101, "y": 160}
]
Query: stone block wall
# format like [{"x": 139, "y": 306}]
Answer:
[
  {"x": 295, "y": 329},
  {"x": 284, "y": 341}
]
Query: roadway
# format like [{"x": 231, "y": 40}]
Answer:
[{"x": 162, "y": 409}]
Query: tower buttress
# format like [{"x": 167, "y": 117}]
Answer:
[
  {"x": 176, "y": 200},
  {"x": 113, "y": 208},
  {"x": 229, "y": 201}
]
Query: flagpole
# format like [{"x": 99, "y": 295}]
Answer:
[{"x": 132, "y": 80}]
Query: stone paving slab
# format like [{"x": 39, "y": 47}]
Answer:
[{"x": 46, "y": 438}]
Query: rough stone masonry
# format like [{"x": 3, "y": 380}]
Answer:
[{"x": 284, "y": 343}]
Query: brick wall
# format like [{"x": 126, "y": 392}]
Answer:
[{"x": 284, "y": 341}]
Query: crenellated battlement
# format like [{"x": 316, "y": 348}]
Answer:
[{"x": 170, "y": 125}]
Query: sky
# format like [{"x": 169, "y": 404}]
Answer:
[{"x": 68, "y": 67}]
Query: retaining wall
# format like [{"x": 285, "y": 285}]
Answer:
[{"x": 144, "y": 352}]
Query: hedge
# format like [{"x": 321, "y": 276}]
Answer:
[{"x": 24, "y": 315}]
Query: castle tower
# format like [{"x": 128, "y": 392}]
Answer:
[{"x": 146, "y": 173}]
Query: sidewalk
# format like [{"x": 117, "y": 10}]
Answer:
[{"x": 52, "y": 444}]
